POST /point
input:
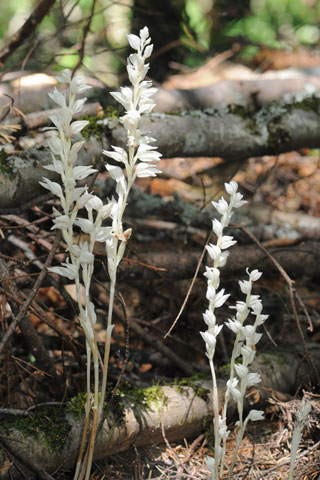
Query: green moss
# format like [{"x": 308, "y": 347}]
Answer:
[
  {"x": 6, "y": 163},
  {"x": 116, "y": 409},
  {"x": 193, "y": 382},
  {"x": 95, "y": 126},
  {"x": 309, "y": 103},
  {"x": 48, "y": 424},
  {"x": 76, "y": 406},
  {"x": 141, "y": 398},
  {"x": 272, "y": 357},
  {"x": 278, "y": 135},
  {"x": 225, "y": 369},
  {"x": 126, "y": 397},
  {"x": 240, "y": 110}
]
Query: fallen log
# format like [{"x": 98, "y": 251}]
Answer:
[
  {"x": 297, "y": 260},
  {"x": 234, "y": 134},
  {"x": 47, "y": 438}
]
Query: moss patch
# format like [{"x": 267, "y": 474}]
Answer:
[
  {"x": 95, "y": 127},
  {"x": 49, "y": 424},
  {"x": 193, "y": 382},
  {"x": 6, "y": 163},
  {"x": 76, "y": 406},
  {"x": 141, "y": 398},
  {"x": 274, "y": 357}
]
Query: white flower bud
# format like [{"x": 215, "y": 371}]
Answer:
[
  {"x": 86, "y": 225},
  {"x": 234, "y": 325},
  {"x": 253, "y": 379},
  {"x": 213, "y": 276},
  {"x": 245, "y": 286},
  {"x": 217, "y": 227},
  {"x": 77, "y": 126},
  {"x": 94, "y": 203},
  {"x": 209, "y": 339},
  {"x": 131, "y": 119},
  {"x": 213, "y": 250},
  {"x": 231, "y": 187},
  {"x": 232, "y": 387},
  {"x": 255, "y": 415},
  {"x": 226, "y": 242},
  {"x": 221, "y": 207},
  {"x": 81, "y": 172},
  {"x": 53, "y": 187},
  {"x": 254, "y": 275},
  {"x": 67, "y": 270},
  {"x": 242, "y": 370}
]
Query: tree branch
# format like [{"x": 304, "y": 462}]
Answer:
[{"x": 38, "y": 13}]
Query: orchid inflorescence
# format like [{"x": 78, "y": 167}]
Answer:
[
  {"x": 246, "y": 336},
  {"x": 139, "y": 160}
]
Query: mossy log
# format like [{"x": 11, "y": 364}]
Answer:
[
  {"x": 44, "y": 443},
  {"x": 235, "y": 134}
]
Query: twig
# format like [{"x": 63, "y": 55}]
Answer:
[
  {"x": 286, "y": 462},
  {"x": 192, "y": 448},
  {"x": 143, "y": 264},
  {"x": 166, "y": 441},
  {"x": 85, "y": 32},
  {"x": 152, "y": 340},
  {"x": 24, "y": 246},
  {"x": 32, "y": 294},
  {"x": 27, "y": 205},
  {"x": 189, "y": 289}
]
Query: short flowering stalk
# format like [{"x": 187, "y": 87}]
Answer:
[
  {"x": 301, "y": 421},
  {"x": 244, "y": 348},
  {"x": 216, "y": 298},
  {"x": 246, "y": 335},
  {"x": 139, "y": 160}
]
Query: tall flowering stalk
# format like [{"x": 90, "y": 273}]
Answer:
[
  {"x": 139, "y": 161},
  {"x": 79, "y": 265},
  {"x": 246, "y": 336}
]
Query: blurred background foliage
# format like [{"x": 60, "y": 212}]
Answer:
[{"x": 185, "y": 33}]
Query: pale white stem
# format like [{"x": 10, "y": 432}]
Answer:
[
  {"x": 217, "y": 439},
  {"x": 107, "y": 346}
]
